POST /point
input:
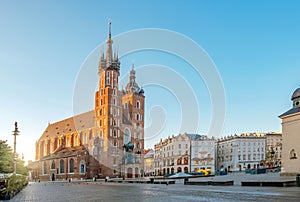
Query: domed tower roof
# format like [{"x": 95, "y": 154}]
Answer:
[
  {"x": 296, "y": 104},
  {"x": 132, "y": 86},
  {"x": 296, "y": 98},
  {"x": 296, "y": 94}
]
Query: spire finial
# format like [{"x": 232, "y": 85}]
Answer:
[
  {"x": 109, "y": 53},
  {"x": 109, "y": 28},
  {"x": 132, "y": 66}
]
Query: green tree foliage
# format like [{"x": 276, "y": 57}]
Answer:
[
  {"x": 21, "y": 168},
  {"x": 6, "y": 158}
]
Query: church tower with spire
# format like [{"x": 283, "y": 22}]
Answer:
[
  {"x": 133, "y": 101},
  {"x": 119, "y": 115},
  {"x": 108, "y": 110}
]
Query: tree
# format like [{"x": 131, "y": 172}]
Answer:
[
  {"x": 21, "y": 168},
  {"x": 6, "y": 157},
  {"x": 7, "y": 160}
]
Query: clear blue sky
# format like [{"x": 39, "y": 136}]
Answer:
[{"x": 254, "y": 45}]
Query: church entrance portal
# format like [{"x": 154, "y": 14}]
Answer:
[{"x": 53, "y": 177}]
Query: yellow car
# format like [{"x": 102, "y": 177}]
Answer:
[{"x": 205, "y": 171}]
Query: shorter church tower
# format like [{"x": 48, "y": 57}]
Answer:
[{"x": 133, "y": 104}]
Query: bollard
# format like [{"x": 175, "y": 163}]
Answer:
[
  {"x": 185, "y": 180},
  {"x": 298, "y": 180},
  {"x": 151, "y": 180}
]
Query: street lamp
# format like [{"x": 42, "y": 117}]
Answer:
[{"x": 15, "y": 133}]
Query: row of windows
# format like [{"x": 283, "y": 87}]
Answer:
[
  {"x": 61, "y": 168},
  {"x": 171, "y": 162},
  {"x": 202, "y": 144},
  {"x": 244, "y": 150},
  {"x": 172, "y": 154},
  {"x": 113, "y": 111},
  {"x": 114, "y": 102},
  {"x": 244, "y": 157},
  {"x": 138, "y": 105},
  {"x": 112, "y": 122},
  {"x": 69, "y": 141},
  {"x": 254, "y": 157},
  {"x": 115, "y": 133},
  {"x": 108, "y": 79},
  {"x": 179, "y": 147},
  {"x": 203, "y": 162},
  {"x": 102, "y": 92},
  {"x": 242, "y": 144}
]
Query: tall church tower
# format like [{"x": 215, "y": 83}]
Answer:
[
  {"x": 119, "y": 118},
  {"x": 108, "y": 110}
]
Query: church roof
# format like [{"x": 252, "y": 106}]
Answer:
[
  {"x": 65, "y": 152},
  {"x": 291, "y": 111},
  {"x": 69, "y": 125}
]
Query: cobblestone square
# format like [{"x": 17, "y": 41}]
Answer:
[{"x": 101, "y": 191}]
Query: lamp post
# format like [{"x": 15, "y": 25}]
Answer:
[{"x": 15, "y": 133}]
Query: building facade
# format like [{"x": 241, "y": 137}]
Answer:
[
  {"x": 107, "y": 141},
  {"x": 203, "y": 153},
  {"x": 273, "y": 149},
  {"x": 175, "y": 154},
  {"x": 241, "y": 152},
  {"x": 149, "y": 162},
  {"x": 291, "y": 137}
]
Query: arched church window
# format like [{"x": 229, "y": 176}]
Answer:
[
  {"x": 138, "y": 104},
  {"x": 45, "y": 168},
  {"x": 115, "y": 143},
  {"x": 53, "y": 165},
  {"x": 71, "y": 170},
  {"x": 82, "y": 166},
  {"x": 61, "y": 166},
  {"x": 108, "y": 78},
  {"x": 293, "y": 154}
]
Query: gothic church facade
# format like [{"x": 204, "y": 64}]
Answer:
[{"x": 107, "y": 141}]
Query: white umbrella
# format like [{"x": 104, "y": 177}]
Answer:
[{"x": 181, "y": 174}]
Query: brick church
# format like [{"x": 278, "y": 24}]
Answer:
[{"x": 106, "y": 141}]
